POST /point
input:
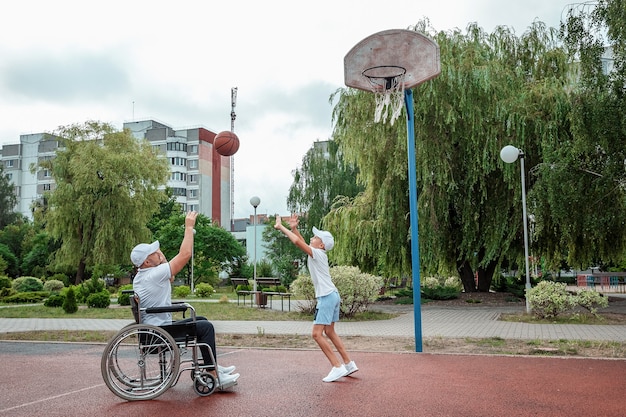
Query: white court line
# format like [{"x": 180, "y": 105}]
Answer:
[{"x": 49, "y": 398}]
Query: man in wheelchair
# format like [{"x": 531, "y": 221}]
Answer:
[{"x": 152, "y": 284}]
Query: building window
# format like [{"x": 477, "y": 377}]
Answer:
[
  {"x": 176, "y": 161},
  {"x": 177, "y": 146},
  {"x": 193, "y": 179},
  {"x": 178, "y": 176},
  {"x": 193, "y": 164},
  {"x": 9, "y": 163},
  {"x": 46, "y": 187},
  {"x": 193, "y": 149},
  {"x": 193, "y": 193}
]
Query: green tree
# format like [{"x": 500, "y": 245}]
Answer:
[
  {"x": 215, "y": 249},
  {"x": 493, "y": 90},
  {"x": 107, "y": 189},
  {"x": 8, "y": 199},
  {"x": 579, "y": 194},
  {"x": 287, "y": 259},
  {"x": 322, "y": 177}
]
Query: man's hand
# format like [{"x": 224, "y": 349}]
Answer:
[{"x": 190, "y": 220}]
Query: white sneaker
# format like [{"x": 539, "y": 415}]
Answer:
[
  {"x": 351, "y": 368},
  {"x": 225, "y": 369},
  {"x": 227, "y": 381},
  {"x": 335, "y": 373}
]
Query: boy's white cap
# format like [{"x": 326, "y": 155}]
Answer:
[
  {"x": 327, "y": 239},
  {"x": 142, "y": 251}
]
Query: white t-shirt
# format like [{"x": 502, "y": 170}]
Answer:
[
  {"x": 153, "y": 287},
  {"x": 320, "y": 272}
]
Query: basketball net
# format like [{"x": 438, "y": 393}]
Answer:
[{"x": 389, "y": 97}]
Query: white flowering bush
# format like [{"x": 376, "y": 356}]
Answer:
[
  {"x": 591, "y": 300},
  {"x": 549, "y": 299},
  {"x": 357, "y": 289},
  {"x": 439, "y": 288}
]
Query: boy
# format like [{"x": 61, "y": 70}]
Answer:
[{"x": 328, "y": 300}]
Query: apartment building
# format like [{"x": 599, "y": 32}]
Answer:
[{"x": 200, "y": 178}]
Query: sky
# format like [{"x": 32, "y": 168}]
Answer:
[{"x": 65, "y": 62}]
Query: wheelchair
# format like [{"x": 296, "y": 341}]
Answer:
[{"x": 142, "y": 361}]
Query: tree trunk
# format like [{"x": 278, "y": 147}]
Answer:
[
  {"x": 467, "y": 276},
  {"x": 80, "y": 272},
  {"x": 485, "y": 276}
]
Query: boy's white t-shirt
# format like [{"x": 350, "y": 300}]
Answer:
[{"x": 320, "y": 272}]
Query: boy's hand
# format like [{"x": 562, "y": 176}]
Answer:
[
  {"x": 279, "y": 222},
  {"x": 293, "y": 221}
]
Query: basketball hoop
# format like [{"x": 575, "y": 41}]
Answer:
[
  {"x": 388, "y": 62},
  {"x": 387, "y": 82}
]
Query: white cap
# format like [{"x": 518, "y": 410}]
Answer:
[
  {"x": 142, "y": 251},
  {"x": 327, "y": 239}
]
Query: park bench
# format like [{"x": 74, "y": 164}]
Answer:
[
  {"x": 274, "y": 282},
  {"x": 242, "y": 293}
]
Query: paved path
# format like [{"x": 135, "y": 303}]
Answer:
[{"x": 479, "y": 322}]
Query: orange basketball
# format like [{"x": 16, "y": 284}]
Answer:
[{"x": 226, "y": 143}]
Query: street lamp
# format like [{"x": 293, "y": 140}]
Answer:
[
  {"x": 255, "y": 201},
  {"x": 509, "y": 154}
]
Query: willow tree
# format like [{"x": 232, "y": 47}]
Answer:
[
  {"x": 323, "y": 176},
  {"x": 581, "y": 184},
  {"x": 107, "y": 189},
  {"x": 493, "y": 90}
]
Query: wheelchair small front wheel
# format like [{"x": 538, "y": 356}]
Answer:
[
  {"x": 204, "y": 384},
  {"x": 140, "y": 362}
]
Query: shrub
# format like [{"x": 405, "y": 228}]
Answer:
[
  {"x": 91, "y": 286},
  {"x": 204, "y": 290},
  {"x": 55, "y": 300},
  {"x": 302, "y": 288},
  {"x": 124, "y": 299},
  {"x": 53, "y": 285},
  {"x": 437, "y": 288},
  {"x": 590, "y": 300},
  {"x": 357, "y": 289},
  {"x": 549, "y": 299},
  {"x": 243, "y": 288},
  {"x": 27, "y": 284},
  {"x": 70, "y": 306},
  {"x": 63, "y": 278},
  {"x": 182, "y": 291},
  {"x": 5, "y": 282},
  {"x": 26, "y": 297},
  {"x": 100, "y": 299}
]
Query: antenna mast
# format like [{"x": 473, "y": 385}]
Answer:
[{"x": 233, "y": 116}]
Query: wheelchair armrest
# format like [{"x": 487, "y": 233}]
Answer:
[
  {"x": 128, "y": 291},
  {"x": 167, "y": 309}
]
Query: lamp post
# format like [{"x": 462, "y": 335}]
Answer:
[
  {"x": 509, "y": 154},
  {"x": 255, "y": 201}
]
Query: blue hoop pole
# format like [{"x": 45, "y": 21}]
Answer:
[{"x": 413, "y": 195}]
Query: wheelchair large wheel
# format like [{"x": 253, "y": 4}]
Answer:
[
  {"x": 204, "y": 384},
  {"x": 140, "y": 362}
]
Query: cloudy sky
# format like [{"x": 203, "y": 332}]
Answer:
[{"x": 67, "y": 61}]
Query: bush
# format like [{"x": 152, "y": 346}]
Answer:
[
  {"x": 204, "y": 290},
  {"x": 27, "y": 284},
  {"x": 182, "y": 291},
  {"x": 70, "y": 306},
  {"x": 124, "y": 299},
  {"x": 5, "y": 282},
  {"x": 243, "y": 288},
  {"x": 590, "y": 300},
  {"x": 55, "y": 300},
  {"x": 53, "y": 285},
  {"x": 61, "y": 277},
  {"x": 26, "y": 297},
  {"x": 549, "y": 299},
  {"x": 357, "y": 289},
  {"x": 91, "y": 286},
  {"x": 100, "y": 299},
  {"x": 437, "y": 288}
]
